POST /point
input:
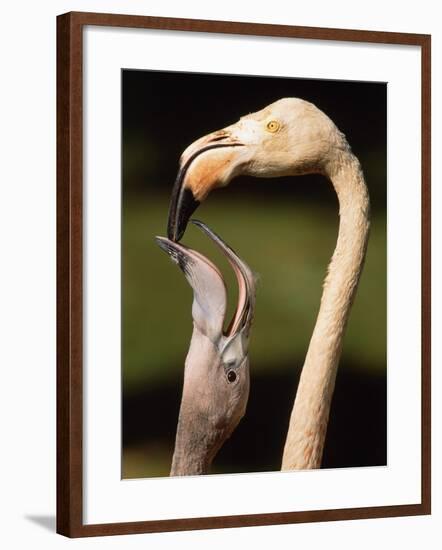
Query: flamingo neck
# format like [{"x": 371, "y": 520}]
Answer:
[
  {"x": 197, "y": 441},
  {"x": 308, "y": 423},
  {"x": 187, "y": 458}
]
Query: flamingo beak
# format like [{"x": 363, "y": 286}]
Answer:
[
  {"x": 209, "y": 287},
  {"x": 182, "y": 205},
  {"x": 190, "y": 189}
]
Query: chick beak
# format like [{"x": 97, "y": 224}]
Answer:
[{"x": 210, "y": 299}]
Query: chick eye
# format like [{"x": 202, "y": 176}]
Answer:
[
  {"x": 231, "y": 376},
  {"x": 273, "y": 126}
]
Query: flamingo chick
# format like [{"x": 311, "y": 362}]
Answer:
[{"x": 216, "y": 373}]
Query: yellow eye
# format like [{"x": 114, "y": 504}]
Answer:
[{"x": 273, "y": 126}]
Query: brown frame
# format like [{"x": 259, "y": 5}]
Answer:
[{"x": 70, "y": 266}]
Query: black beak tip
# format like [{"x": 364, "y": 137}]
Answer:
[
  {"x": 168, "y": 246},
  {"x": 175, "y": 233},
  {"x": 162, "y": 243},
  {"x": 179, "y": 214}
]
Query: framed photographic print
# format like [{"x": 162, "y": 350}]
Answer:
[{"x": 277, "y": 370}]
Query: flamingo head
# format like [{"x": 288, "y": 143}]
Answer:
[{"x": 288, "y": 137}]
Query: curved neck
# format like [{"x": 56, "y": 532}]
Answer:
[
  {"x": 187, "y": 457},
  {"x": 308, "y": 423},
  {"x": 197, "y": 440}
]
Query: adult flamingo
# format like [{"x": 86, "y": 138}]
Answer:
[{"x": 292, "y": 137}]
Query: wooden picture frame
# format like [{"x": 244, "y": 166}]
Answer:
[{"x": 70, "y": 272}]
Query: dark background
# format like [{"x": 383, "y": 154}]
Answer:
[{"x": 286, "y": 229}]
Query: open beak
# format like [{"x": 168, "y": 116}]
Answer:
[
  {"x": 210, "y": 298},
  {"x": 245, "y": 308},
  {"x": 188, "y": 191}
]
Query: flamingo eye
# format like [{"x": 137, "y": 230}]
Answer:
[
  {"x": 231, "y": 376},
  {"x": 273, "y": 126}
]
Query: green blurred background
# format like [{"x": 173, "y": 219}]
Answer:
[{"x": 285, "y": 229}]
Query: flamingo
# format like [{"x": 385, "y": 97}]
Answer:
[
  {"x": 288, "y": 138},
  {"x": 216, "y": 374}
]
